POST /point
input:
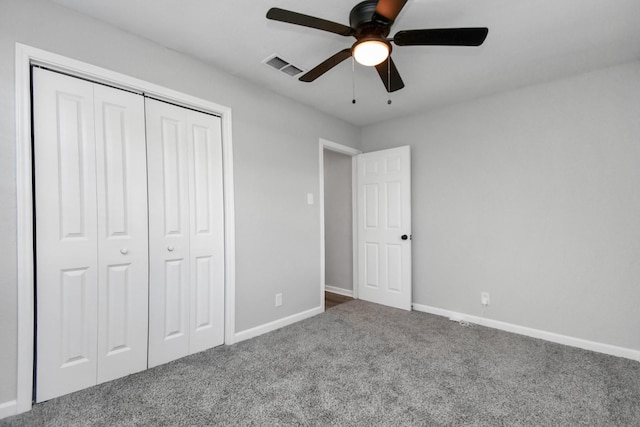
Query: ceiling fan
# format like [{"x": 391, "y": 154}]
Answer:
[{"x": 370, "y": 23}]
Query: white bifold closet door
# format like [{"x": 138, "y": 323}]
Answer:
[
  {"x": 91, "y": 233},
  {"x": 186, "y": 232}
]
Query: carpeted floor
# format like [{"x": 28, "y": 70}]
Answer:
[{"x": 364, "y": 364}]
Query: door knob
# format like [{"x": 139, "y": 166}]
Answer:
[
  {"x": 170, "y": 248},
  {"x": 404, "y": 237},
  {"x": 124, "y": 251}
]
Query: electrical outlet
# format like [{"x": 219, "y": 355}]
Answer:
[
  {"x": 278, "y": 300},
  {"x": 484, "y": 298}
]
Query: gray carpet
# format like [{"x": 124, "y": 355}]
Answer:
[{"x": 364, "y": 364}]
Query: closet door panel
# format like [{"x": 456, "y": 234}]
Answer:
[
  {"x": 204, "y": 138},
  {"x": 122, "y": 233},
  {"x": 169, "y": 270},
  {"x": 66, "y": 230}
]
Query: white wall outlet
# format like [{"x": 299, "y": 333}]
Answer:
[
  {"x": 278, "y": 300},
  {"x": 309, "y": 198},
  {"x": 484, "y": 298}
]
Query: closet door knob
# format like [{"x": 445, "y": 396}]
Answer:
[
  {"x": 124, "y": 251},
  {"x": 404, "y": 237},
  {"x": 170, "y": 248}
]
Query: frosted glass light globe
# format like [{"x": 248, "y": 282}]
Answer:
[{"x": 371, "y": 52}]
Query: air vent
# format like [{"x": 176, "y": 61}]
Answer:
[
  {"x": 277, "y": 62},
  {"x": 280, "y": 64},
  {"x": 292, "y": 70}
]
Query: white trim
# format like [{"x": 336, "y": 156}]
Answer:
[
  {"x": 8, "y": 409},
  {"x": 339, "y": 291},
  {"x": 277, "y": 324},
  {"x": 353, "y": 152},
  {"x": 354, "y": 223},
  {"x": 612, "y": 350},
  {"x": 321, "y": 205},
  {"x": 339, "y": 148},
  {"x": 229, "y": 232},
  {"x": 25, "y": 56},
  {"x": 25, "y": 259}
]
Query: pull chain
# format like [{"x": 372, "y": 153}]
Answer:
[
  {"x": 353, "y": 79},
  {"x": 389, "y": 80}
]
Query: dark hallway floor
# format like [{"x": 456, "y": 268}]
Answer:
[{"x": 331, "y": 299}]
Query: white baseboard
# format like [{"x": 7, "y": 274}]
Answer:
[
  {"x": 8, "y": 409},
  {"x": 338, "y": 290},
  {"x": 612, "y": 350},
  {"x": 276, "y": 324}
]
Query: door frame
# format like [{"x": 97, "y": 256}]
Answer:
[
  {"x": 25, "y": 57},
  {"x": 353, "y": 152}
]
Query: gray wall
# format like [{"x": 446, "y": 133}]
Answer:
[
  {"x": 276, "y": 163},
  {"x": 533, "y": 196},
  {"x": 338, "y": 226}
]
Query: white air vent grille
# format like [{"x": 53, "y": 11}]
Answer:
[
  {"x": 292, "y": 70},
  {"x": 276, "y": 62}
]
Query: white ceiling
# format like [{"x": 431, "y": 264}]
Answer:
[{"x": 529, "y": 41}]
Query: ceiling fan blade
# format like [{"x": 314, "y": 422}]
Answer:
[
  {"x": 388, "y": 10},
  {"x": 325, "y": 66},
  {"x": 442, "y": 37},
  {"x": 390, "y": 76},
  {"x": 296, "y": 18}
]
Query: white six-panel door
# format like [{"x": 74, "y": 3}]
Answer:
[
  {"x": 186, "y": 235},
  {"x": 91, "y": 233},
  {"x": 384, "y": 227}
]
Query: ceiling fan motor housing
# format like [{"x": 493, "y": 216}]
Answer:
[{"x": 362, "y": 20}]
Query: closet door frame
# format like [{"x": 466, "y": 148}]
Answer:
[{"x": 26, "y": 57}]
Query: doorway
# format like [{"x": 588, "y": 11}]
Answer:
[
  {"x": 338, "y": 226},
  {"x": 381, "y": 225}
]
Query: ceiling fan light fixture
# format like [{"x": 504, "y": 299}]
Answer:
[{"x": 371, "y": 52}]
